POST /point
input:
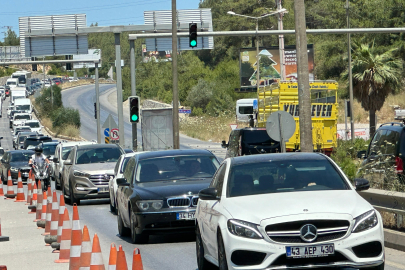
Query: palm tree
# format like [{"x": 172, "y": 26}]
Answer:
[{"x": 374, "y": 77}]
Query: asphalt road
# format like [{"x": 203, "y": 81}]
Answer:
[{"x": 172, "y": 252}]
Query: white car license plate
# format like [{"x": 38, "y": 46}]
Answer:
[
  {"x": 310, "y": 251},
  {"x": 25, "y": 174},
  {"x": 185, "y": 215},
  {"x": 103, "y": 189}
]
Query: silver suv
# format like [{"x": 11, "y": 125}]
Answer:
[{"x": 88, "y": 170}]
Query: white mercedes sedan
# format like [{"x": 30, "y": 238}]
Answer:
[{"x": 286, "y": 211}]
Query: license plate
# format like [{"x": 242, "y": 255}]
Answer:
[
  {"x": 185, "y": 215},
  {"x": 103, "y": 189},
  {"x": 310, "y": 251},
  {"x": 25, "y": 174}
]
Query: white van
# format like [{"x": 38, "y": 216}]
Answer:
[
  {"x": 12, "y": 82},
  {"x": 244, "y": 108},
  {"x": 17, "y": 93},
  {"x": 23, "y": 104}
]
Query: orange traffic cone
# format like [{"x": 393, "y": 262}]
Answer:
[
  {"x": 96, "y": 262},
  {"x": 3, "y": 238},
  {"x": 52, "y": 237},
  {"x": 121, "y": 260},
  {"x": 137, "y": 260},
  {"x": 29, "y": 190},
  {"x": 1, "y": 187},
  {"x": 48, "y": 213},
  {"x": 39, "y": 202},
  {"x": 41, "y": 222},
  {"x": 76, "y": 241},
  {"x": 56, "y": 245},
  {"x": 20, "y": 190},
  {"x": 65, "y": 239},
  {"x": 33, "y": 205},
  {"x": 10, "y": 188},
  {"x": 85, "y": 256},
  {"x": 112, "y": 262}
]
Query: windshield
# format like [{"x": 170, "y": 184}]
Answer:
[
  {"x": 97, "y": 155},
  {"x": 49, "y": 150},
  {"x": 18, "y": 130},
  {"x": 32, "y": 124},
  {"x": 283, "y": 176},
  {"x": 176, "y": 168},
  {"x": 66, "y": 151},
  {"x": 246, "y": 109},
  {"x": 11, "y": 83},
  {"x": 18, "y": 97},
  {"x": 256, "y": 137},
  {"x": 25, "y": 116},
  {"x": 22, "y": 138},
  {"x": 36, "y": 141},
  {"x": 21, "y": 157},
  {"x": 23, "y": 107}
]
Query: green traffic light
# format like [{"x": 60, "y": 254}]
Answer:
[
  {"x": 193, "y": 43},
  {"x": 134, "y": 117}
]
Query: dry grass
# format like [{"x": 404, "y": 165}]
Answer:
[
  {"x": 386, "y": 114},
  {"x": 69, "y": 130},
  {"x": 390, "y": 221},
  {"x": 208, "y": 128}
]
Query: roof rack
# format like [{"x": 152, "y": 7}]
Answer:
[{"x": 392, "y": 124}]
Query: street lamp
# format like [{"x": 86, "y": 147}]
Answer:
[{"x": 257, "y": 38}]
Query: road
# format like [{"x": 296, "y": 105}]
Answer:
[{"x": 173, "y": 252}]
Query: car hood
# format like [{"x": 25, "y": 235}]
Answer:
[
  {"x": 96, "y": 168},
  {"x": 20, "y": 165},
  {"x": 164, "y": 189},
  {"x": 257, "y": 208}
]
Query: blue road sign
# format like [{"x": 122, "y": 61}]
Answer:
[
  {"x": 184, "y": 111},
  {"x": 255, "y": 104},
  {"x": 107, "y": 132}
]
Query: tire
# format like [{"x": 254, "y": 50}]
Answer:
[
  {"x": 142, "y": 238},
  {"x": 67, "y": 199},
  {"x": 112, "y": 208},
  {"x": 223, "y": 264},
  {"x": 73, "y": 199},
  {"x": 202, "y": 263},
  {"x": 380, "y": 267},
  {"x": 122, "y": 230}
]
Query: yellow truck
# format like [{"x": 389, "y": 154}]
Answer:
[{"x": 284, "y": 96}]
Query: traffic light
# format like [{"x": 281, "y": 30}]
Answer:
[
  {"x": 192, "y": 34},
  {"x": 134, "y": 109}
]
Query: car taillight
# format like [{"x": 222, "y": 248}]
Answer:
[{"x": 399, "y": 165}]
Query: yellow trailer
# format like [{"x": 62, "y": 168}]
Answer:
[{"x": 284, "y": 96}]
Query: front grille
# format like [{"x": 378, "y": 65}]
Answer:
[
  {"x": 368, "y": 250},
  {"x": 289, "y": 232},
  {"x": 282, "y": 260},
  {"x": 246, "y": 257},
  {"x": 179, "y": 202},
  {"x": 100, "y": 179},
  {"x": 171, "y": 224}
]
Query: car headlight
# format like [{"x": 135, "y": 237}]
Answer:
[
  {"x": 244, "y": 229},
  {"x": 81, "y": 174},
  {"x": 365, "y": 221},
  {"x": 152, "y": 205},
  {"x": 14, "y": 169}
]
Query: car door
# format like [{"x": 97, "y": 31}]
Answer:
[
  {"x": 371, "y": 164},
  {"x": 211, "y": 211},
  {"x": 126, "y": 192},
  {"x": 66, "y": 169}
]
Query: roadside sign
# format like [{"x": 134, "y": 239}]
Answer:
[
  {"x": 110, "y": 123},
  {"x": 184, "y": 111},
  {"x": 114, "y": 134},
  {"x": 233, "y": 126},
  {"x": 107, "y": 140},
  {"x": 107, "y": 132},
  {"x": 255, "y": 106}
]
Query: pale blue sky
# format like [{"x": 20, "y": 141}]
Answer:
[{"x": 112, "y": 12}]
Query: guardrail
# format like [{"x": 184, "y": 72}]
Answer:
[{"x": 384, "y": 200}]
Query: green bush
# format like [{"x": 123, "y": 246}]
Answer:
[
  {"x": 200, "y": 94},
  {"x": 345, "y": 155},
  {"x": 44, "y": 101},
  {"x": 65, "y": 116},
  {"x": 197, "y": 112}
]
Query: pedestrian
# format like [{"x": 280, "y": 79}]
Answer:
[{"x": 251, "y": 121}]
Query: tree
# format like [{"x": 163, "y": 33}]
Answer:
[
  {"x": 11, "y": 38},
  {"x": 374, "y": 77}
]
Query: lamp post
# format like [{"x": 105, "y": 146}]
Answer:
[{"x": 257, "y": 39}]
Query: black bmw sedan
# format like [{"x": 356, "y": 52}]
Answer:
[{"x": 159, "y": 192}]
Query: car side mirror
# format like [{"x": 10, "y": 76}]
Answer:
[
  {"x": 361, "y": 184},
  {"x": 362, "y": 154},
  {"x": 55, "y": 160},
  {"x": 67, "y": 162},
  {"x": 1, "y": 138},
  {"x": 208, "y": 194},
  {"x": 122, "y": 182},
  {"x": 224, "y": 144}
]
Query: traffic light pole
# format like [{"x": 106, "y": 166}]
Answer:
[
  {"x": 133, "y": 93},
  {"x": 176, "y": 135},
  {"x": 119, "y": 89},
  {"x": 98, "y": 105}
]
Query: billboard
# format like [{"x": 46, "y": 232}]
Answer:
[
  {"x": 92, "y": 54},
  {"x": 157, "y": 129},
  {"x": 270, "y": 65}
]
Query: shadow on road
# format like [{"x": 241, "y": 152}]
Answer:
[{"x": 165, "y": 239}]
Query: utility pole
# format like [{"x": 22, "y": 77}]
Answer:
[
  {"x": 257, "y": 58},
  {"x": 304, "y": 95},
  {"x": 176, "y": 137},
  {"x": 97, "y": 104},
  {"x": 349, "y": 55},
  {"x": 133, "y": 93},
  {"x": 280, "y": 16},
  {"x": 119, "y": 89}
]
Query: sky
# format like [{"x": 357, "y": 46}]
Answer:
[{"x": 105, "y": 13}]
